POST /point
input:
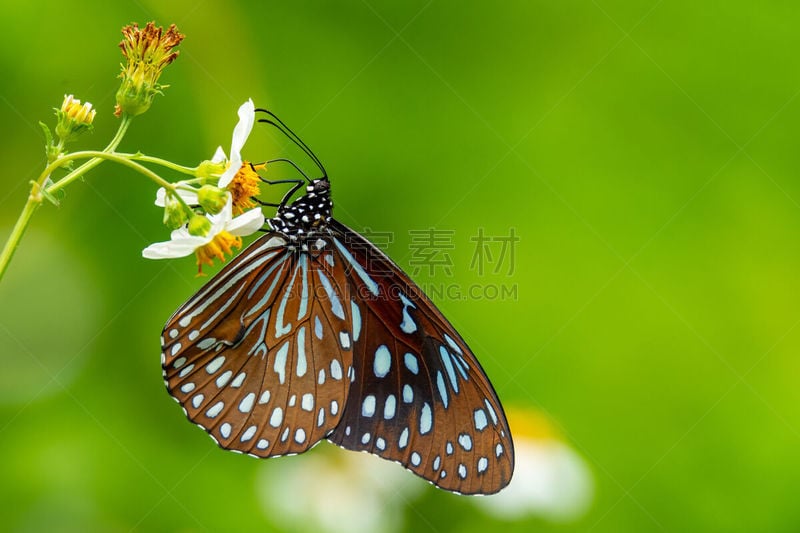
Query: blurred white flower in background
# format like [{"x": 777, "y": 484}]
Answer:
[
  {"x": 551, "y": 481},
  {"x": 334, "y": 490}
]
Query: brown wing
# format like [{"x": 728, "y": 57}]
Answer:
[
  {"x": 260, "y": 357},
  {"x": 419, "y": 396}
]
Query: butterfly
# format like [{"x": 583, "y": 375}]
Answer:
[{"x": 313, "y": 333}]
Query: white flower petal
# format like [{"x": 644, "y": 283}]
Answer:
[
  {"x": 247, "y": 223},
  {"x": 230, "y": 172},
  {"x": 219, "y": 155},
  {"x": 247, "y": 116},
  {"x": 189, "y": 196},
  {"x": 170, "y": 249},
  {"x": 161, "y": 197},
  {"x": 241, "y": 132}
]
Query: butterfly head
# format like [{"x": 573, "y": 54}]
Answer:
[{"x": 312, "y": 211}]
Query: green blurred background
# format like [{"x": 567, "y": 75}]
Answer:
[{"x": 644, "y": 152}]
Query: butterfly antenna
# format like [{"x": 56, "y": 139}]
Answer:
[{"x": 287, "y": 131}]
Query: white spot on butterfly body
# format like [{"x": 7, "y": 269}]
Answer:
[
  {"x": 336, "y": 370},
  {"x": 383, "y": 361},
  {"x": 415, "y": 459},
  {"x": 483, "y": 464},
  {"x": 480, "y": 419},
  {"x": 411, "y": 363},
  {"x": 465, "y": 441},
  {"x": 425, "y": 419},
  {"x": 276, "y": 418},
  {"x": 215, "y": 410},
  {"x": 389, "y": 407},
  {"x": 225, "y": 430},
  {"x": 223, "y": 378},
  {"x": 214, "y": 365},
  {"x": 368, "y": 406},
  {"x": 247, "y": 403},
  {"x": 249, "y": 433},
  {"x": 280, "y": 362},
  {"x": 187, "y": 387},
  {"x": 403, "y": 441}
]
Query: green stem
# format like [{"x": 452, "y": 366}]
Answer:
[
  {"x": 162, "y": 162},
  {"x": 110, "y": 156},
  {"x": 16, "y": 233},
  {"x": 36, "y": 196}
]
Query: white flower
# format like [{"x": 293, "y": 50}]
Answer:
[
  {"x": 247, "y": 117},
  {"x": 241, "y": 132},
  {"x": 224, "y": 229},
  {"x": 331, "y": 491},
  {"x": 550, "y": 480}
]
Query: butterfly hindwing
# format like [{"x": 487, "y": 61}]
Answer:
[
  {"x": 257, "y": 358},
  {"x": 419, "y": 396}
]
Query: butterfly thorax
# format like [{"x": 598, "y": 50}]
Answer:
[{"x": 301, "y": 219}]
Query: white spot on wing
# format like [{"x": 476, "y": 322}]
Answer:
[
  {"x": 249, "y": 433},
  {"x": 215, "y": 410},
  {"x": 368, "y": 406},
  {"x": 425, "y": 419},
  {"x": 223, "y": 378},
  {"x": 389, "y": 407},
  {"x": 280, "y": 362},
  {"x": 214, "y": 365},
  {"x": 247, "y": 403},
  {"x": 383, "y": 361},
  {"x": 276, "y": 418}
]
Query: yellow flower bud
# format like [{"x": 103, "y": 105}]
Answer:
[{"x": 73, "y": 118}]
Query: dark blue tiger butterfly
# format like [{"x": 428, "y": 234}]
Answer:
[{"x": 313, "y": 333}]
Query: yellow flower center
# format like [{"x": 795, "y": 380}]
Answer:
[
  {"x": 245, "y": 186},
  {"x": 222, "y": 244}
]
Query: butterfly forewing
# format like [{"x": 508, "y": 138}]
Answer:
[
  {"x": 419, "y": 396},
  {"x": 261, "y": 357}
]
